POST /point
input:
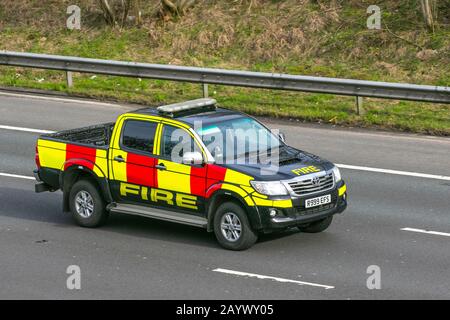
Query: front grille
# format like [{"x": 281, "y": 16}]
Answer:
[{"x": 306, "y": 186}]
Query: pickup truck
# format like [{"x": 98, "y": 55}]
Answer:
[{"x": 192, "y": 163}]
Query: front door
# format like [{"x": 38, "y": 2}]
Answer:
[{"x": 184, "y": 184}]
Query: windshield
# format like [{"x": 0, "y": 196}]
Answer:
[{"x": 240, "y": 138}]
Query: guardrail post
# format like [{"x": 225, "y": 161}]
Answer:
[
  {"x": 205, "y": 90},
  {"x": 359, "y": 106},
  {"x": 69, "y": 79}
]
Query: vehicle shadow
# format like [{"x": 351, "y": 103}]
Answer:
[
  {"x": 149, "y": 228},
  {"x": 20, "y": 203},
  {"x": 277, "y": 235},
  {"x": 25, "y": 204}
]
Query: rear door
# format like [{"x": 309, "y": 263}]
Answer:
[{"x": 133, "y": 161}]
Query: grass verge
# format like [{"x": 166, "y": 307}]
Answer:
[{"x": 305, "y": 37}]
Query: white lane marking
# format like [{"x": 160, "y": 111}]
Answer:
[
  {"x": 397, "y": 172},
  {"x": 437, "y": 233},
  {"x": 347, "y": 132},
  {"x": 343, "y": 166},
  {"x": 263, "y": 277},
  {"x": 15, "y": 176},
  {"x": 59, "y": 99},
  {"x": 381, "y": 134},
  {"x": 25, "y": 129}
]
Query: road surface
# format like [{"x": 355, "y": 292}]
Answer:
[{"x": 397, "y": 220}]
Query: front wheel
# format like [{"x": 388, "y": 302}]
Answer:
[
  {"x": 86, "y": 204},
  {"x": 317, "y": 226},
  {"x": 232, "y": 229}
]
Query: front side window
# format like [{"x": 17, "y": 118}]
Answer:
[
  {"x": 175, "y": 142},
  {"x": 139, "y": 135}
]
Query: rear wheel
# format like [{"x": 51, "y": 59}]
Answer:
[
  {"x": 86, "y": 205},
  {"x": 317, "y": 226},
  {"x": 232, "y": 228}
]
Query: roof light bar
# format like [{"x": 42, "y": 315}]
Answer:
[{"x": 187, "y": 107}]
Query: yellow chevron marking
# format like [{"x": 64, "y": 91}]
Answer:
[
  {"x": 342, "y": 190},
  {"x": 239, "y": 191},
  {"x": 273, "y": 203}
]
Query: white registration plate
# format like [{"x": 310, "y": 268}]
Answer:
[{"x": 314, "y": 202}]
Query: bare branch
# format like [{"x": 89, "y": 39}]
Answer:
[{"x": 177, "y": 7}]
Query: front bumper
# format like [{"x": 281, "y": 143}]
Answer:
[
  {"x": 299, "y": 219},
  {"x": 298, "y": 215}
]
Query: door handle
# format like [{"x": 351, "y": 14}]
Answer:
[
  {"x": 161, "y": 166},
  {"x": 119, "y": 159}
]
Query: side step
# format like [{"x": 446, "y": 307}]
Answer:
[{"x": 160, "y": 214}]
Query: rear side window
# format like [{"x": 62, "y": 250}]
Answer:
[{"x": 139, "y": 135}]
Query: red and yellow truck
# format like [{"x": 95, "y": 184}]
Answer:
[{"x": 182, "y": 163}]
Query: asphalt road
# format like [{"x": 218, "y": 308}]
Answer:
[{"x": 135, "y": 257}]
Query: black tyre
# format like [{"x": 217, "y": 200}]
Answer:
[
  {"x": 231, "y": 227},
  {"x": 87, "y": 205},
  {"x": 317, "y": 226}
]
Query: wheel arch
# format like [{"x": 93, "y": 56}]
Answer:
[
  {"x": 74, "y": 173},
  {"x": 221, "y": 196}
]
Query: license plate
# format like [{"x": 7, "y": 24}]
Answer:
[{"x": 314, "y": 202}]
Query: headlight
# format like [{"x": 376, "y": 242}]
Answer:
[
  {"x": 269, "y": 188},
  {"x": 337, "y": 174}
]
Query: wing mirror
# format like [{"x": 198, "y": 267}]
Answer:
[
  {"x": 282, "y": 137},
  {"x": 192, "y": 158}
]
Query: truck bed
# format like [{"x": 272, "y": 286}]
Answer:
[{"x": 97, "y": 135}]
